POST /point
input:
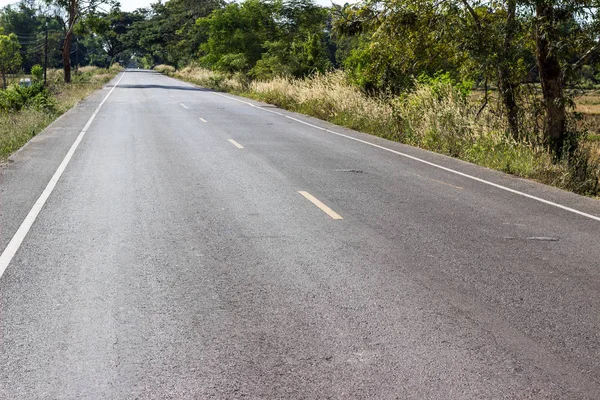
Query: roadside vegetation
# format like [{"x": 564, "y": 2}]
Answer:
[
  {"x": 507, "y": 84},
  {"x": 25, "y": 111}
]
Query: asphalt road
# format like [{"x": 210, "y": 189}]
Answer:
[{"x": 181, "y": 255}]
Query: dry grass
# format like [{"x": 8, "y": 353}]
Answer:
[
  {"x": 16, "y": 128},
  {"x": 213, "y": 80},
  {"x": 330, "y": 97},
  {"x": 164, "y": 69},
  {"x": 88, "y": 69},
  {"x": 588, "y": 103}
]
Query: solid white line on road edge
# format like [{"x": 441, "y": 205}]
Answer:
[
  {"x": 453, "y": 171},
  {"x": 203, "y": 120},
  {"x": 236, "y": 144},
  {"x": 184, "y": 106},
  {"x": 16, "y": 241},
  {"x": 319, "y": 204}
]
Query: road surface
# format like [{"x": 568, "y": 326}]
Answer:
[{"x": 200, "y": 245}]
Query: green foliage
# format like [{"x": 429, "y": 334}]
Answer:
[
  {"x": 10, "y": 58},
  {"x": 37, "y": 72},
  {"x": 111, "y": 34},
  {"x": 168, "y": 32},
  {"x": 266, "y": 38},
  {"x": 15, "y": 98},
  {"x": 398, "y": 41},
  {"x": 440, "y": 81},
  {"x": 22, "y": 19},
  {"x": 236, "y": 34}
]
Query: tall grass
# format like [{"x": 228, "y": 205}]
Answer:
[
  {"x": 433, "y": 116},
  {"x": 164, "y": 69},
  {"x": 214, "y": 80},
  {"x": 17, "y": 127}
]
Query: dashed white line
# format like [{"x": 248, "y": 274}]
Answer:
[
  {"x": 202, "y": 119},
  {"x": 184, "y": 106},
  {"x": 319, "y": 204},
  {"x": 236, "y": 144},
  {"x": 16, "y": 241}
]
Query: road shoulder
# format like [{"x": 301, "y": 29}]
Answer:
[{"x": 28, "y": 171}]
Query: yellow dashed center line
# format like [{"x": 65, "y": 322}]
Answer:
[
  {"x": 447, "y": 184},
  {"x": 319, "y": 204}
]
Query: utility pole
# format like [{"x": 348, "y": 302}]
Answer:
[
  {"x": 76, "y": 55},
  {"x": 46, "y": 53}
]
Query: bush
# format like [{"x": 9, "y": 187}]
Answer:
[
  {"x": 37, "y": 72},
  {"x": 16, "y": 98}
]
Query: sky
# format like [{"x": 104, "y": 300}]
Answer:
[{"x": 130, "y": 5}]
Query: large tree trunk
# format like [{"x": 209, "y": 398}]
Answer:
[
  {"x": 66, "y": 56},
  {"x": 506, "y": 84},
  {"x": 66, "y": 50},
  {"x": 551, "y": 79}
]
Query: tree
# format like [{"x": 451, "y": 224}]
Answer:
[
  {"x": 399, "y": 40},
  {"x": 110, "y": 29},
  {"x": 237, "y": 34},
  {"x": 10, "y": 58},
  {"x": 566, "y": 35},
  {"x": 22, "y": 19},
  {"x": 69, "y": 13},
  {"x": 302, "y": 44},
  {"x": 167, "y": 33},
  {"x": 267, "y": 38}
]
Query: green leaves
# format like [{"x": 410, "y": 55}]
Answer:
[
  {"x": 10, "y": 58},
  {"x": 16, "y": 98},
  {"x": 267, "y": 38}
]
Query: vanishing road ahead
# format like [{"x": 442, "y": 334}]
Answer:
[{"x": 199, "y": 245}]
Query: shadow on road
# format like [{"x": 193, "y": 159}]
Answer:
[
  {"x": 169, "y": 87},
  {"x": 141, "y": 71}
]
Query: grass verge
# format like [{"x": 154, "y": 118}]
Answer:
[{"x": 17, "y": 127}]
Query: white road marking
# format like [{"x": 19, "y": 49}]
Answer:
[
  {"x": 203, "y": 120},
  {"x": 184, "y": 106},
  {"x": 319, "y": 204},
  {"x": 480, "y": 180},
  {"x": 236, "y": 144},
  {"x": 16, "y": 241}
]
